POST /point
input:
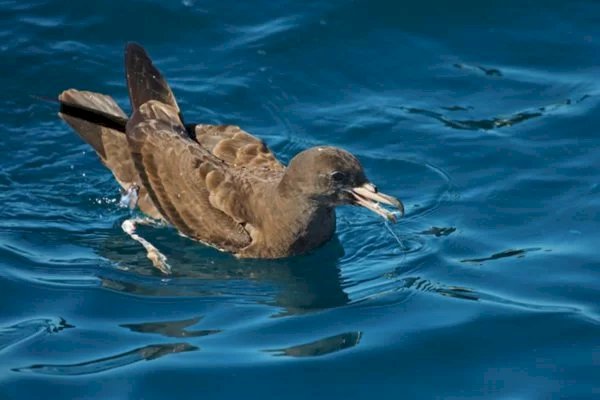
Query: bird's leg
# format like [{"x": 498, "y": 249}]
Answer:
[
  {"x": 129, "y": 199},
  {"x": 159, "y": 260}
]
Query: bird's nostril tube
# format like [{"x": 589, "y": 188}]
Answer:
[{"x": 370, "y": 187}]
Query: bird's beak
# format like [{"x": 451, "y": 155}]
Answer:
[{"x": 367, "y": 196}]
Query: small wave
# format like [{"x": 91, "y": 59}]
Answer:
[
  {"x": 415, "y": 284},
  {"x": 146, "y": 353},
  {"x": 503, "y": 254},
  {"x": 176, "y": 329},
  {"x": 29, "y": 329},
  {"x": 487, "y": 124},
  {"x": 251, "y": 35},
  {"x": 425, "y": 285},
  {"x": 321, "y": 347},
  {"x": 494, "y": 72},
  {"x": 437, "y": 231}
]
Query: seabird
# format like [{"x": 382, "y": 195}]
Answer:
[{"x": 215, "y": 183}]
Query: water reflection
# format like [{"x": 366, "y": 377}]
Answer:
[
  {"x": 146, "y": 353},
  {"x": 437, "y": 231},
  {"x": 321, "y": 347},
  {"x": 495, "y": 122},
  {"x": 464, "y": 293},
  {"x": 476, "y": 124},
  {"x": 481, "y": 69},
  {"x": 297, "y": 284},
  {"x": 519, "y": 253},
  {"x": 425, "y": 285},
  {"x": 175, "y": 329},
  {"x": 24, "y": 330}
]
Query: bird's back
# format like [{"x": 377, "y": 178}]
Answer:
[{"x": 192, "y": 176}]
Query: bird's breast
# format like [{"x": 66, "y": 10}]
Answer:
[{"x": 289, "y": 237}]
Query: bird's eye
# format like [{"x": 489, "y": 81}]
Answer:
[{"x": 338, "y": 176}]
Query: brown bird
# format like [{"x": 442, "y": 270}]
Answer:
[{"x": 215, "y": 183}]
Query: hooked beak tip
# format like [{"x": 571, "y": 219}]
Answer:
[{"x": 367, "y": 196}]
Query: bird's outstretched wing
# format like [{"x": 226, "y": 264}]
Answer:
[{"x": 191, "y": 187}]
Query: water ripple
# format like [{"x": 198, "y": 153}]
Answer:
[
  {"x": 175, "y": 329},
  {"x": 321, "y": 347},
  {"x": 496, "y": 122},
  {"x": 481, "y": 121},
  {"x": 503, "y": 254},
  {"x": 26, "y": 330},
  {"x": 146, "y": 353},
  {"x": 251, "y": 35}
]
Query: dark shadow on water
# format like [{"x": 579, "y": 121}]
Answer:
[
  {"x": 146, "y": 353},
  {"x": 176, "y": 329},
  {"x": 476, "y": 124},
  {"x": 297, "y": 284},
  {"x": 495, "y": 122},
  {"x": 321, "y": 347},
  {"x": 437, "y": 231},
  {"x": 457, "y": 108},
  {"x": 503, "y": 254},
  {"x": 419, "y": 284},
  {"x": 424, "y": 285},
  {"x": 494, "y": 72}
]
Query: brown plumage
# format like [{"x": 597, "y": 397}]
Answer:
[{"x": 216, "y": 183}]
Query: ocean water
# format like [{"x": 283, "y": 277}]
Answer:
[{"x": 483, "y": 117}]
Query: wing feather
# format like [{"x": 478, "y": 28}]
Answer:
[
  {"x": 239, "y": 149},
  {"x": 182, "y": 177},
  {"x": 144, "y": 80}
]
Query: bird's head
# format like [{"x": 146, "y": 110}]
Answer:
[{"x": 333, "y": 177}]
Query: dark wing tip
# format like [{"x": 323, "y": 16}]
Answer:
[
  {"x": 144, "y": 80},
  {"x": 134, "y": 49},
  {"x": 133, "y": 45}
]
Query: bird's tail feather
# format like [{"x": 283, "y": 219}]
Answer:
[{"x": 91, "y": 115}]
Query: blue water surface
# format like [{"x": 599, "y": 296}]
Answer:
[{"x": 482, "y": 116}]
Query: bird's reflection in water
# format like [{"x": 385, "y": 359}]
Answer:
[{"x": 297, "y": 284}]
